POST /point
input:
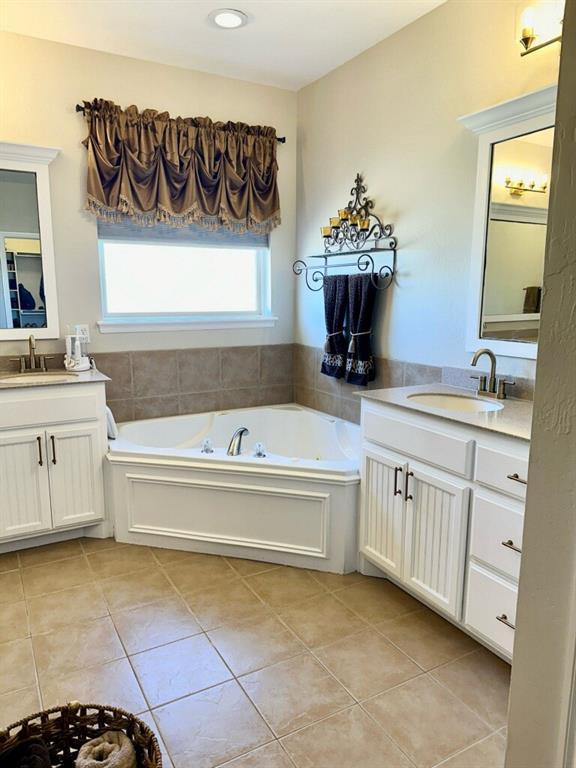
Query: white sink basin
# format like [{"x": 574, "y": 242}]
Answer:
[
  {"x": 460, "y": 403},
  {"x": 47, "y": 377}
]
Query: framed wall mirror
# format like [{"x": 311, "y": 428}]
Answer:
[
  {"x": 28, "y": 302},
  {"x": 510, "y": 223}
]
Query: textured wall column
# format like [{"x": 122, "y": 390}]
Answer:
[{"x": 543, "y": 669}]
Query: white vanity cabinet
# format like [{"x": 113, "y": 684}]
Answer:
[
  {"x": 52, "y": 446},
  {"x": 442, "y": 514}
]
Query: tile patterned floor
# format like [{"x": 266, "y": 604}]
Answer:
[{"x": 245, "y": 664}]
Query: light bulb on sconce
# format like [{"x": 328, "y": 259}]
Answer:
[
  {"x": 527, "y": 36},
  {"x": 538, "y": 22},
  {"x": 519, "y": 186}
]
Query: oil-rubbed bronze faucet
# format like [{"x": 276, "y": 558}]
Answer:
[
  {"x": 32, "y": 363},
  {"x": 489, "y": 386}
]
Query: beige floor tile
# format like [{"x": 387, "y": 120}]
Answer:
[
  {"x": 179, "y": 669},
  {"x": 349, "y": 739},
  {"x": 208, "y": 728},
  {"x": 322, "y": 620},
  {"x": 49, "y": 553},
  {"x": 427, "y": 638},
  {"x": 295, "y": 693},
  {"x": 113, "y": 683},
  {"x": 135, "y": 589},
  {"x": 377, "y": 599},
  {"x": 199, "y": 572},
  {"x": 43, "y": 579},
  {"x": 16, "y": 665},
  {"x": 269, "y": 756},
  {"x": 18, "y": 704},
  {"x": 76, "y": 646},
  {"x": 426, "y": 721},
  {"x": 284, "y": 586},
  {"x": 116, "y": 562},
  {"x": 367, "y": 663},
  {"x": 250, "y": 567},
  {"x": 334, "y": 581},
  {"x": 11, "y": 587},
  {"x": 482, "y": 681},
  {"x": 90, "y": 545},
  {"x": 148, "y": 718},
  {"x": 8, "y": 562},
  {"x": 66, "y": 607},
  {"x": 224, "y": 603},
  {"x": 155, "y": 624},
  {"x": 13, "y": 621},
  {"x": 250, "y": 645},
  {"x": 489, "y": 753}
]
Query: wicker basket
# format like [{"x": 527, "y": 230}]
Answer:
[{"x": 65, "y": 729}]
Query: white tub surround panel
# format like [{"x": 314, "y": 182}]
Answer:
[
  {"x": 52, "y": 447},
  {"x": 297, "y": 505},
  {"x": 441, "y": 508}
]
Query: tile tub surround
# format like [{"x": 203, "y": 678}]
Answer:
[{"x": 246, "y": 664}]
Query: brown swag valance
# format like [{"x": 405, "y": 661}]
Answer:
[{"x": 152, "y": 168}]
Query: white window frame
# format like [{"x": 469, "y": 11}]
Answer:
[{"x": 182, "y": 321}]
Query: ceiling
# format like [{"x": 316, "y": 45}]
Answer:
[{"x": 287, "y": 43}]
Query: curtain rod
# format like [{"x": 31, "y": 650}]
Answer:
[{"x": 81, "y": 108}]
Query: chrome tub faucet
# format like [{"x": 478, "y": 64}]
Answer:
[{"x": 235, "y": 447}]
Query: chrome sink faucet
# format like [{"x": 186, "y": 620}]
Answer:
[
  {"x": 235, "y": 447},
  {"x": 32, "y": 363},
  {"x": 489, "y": 386}
]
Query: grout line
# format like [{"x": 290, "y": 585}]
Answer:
[{"x": 461, "y": 751}]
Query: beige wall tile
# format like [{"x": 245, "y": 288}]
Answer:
[
  {"x": 276, "y": 364},
  {"x": 328, "y": 403},
  {"x": 415, "y": 373},
  {"x": 201, "y": 402},
  {"x": 239, "y": 398},
  {"x": 211, "y": 727},
  {"x": 350, "y": 409},
  {"x": 198, "y": 370},
  {"x": 123, "y": 410},
  {"x": 156, "y": 407},
  {"x": 389, "y": 373},
  {"x": 295, "y": 693},
  {"x": 118, "y": 366},
  {"x": 305, "y": 396},
  {"x": 276, "y": 395},
  {"x": 305, "y": 368},
  {"x": 426, "y": 721},
  {"x": 240, "y": 367},
  {"x": 179, "y": 669},
  {"x": 155, "y": 372},
  {"x": 155, "y": 624}
]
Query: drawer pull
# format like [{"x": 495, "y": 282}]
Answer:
[
  {"x": 40, "y": 459},
  {"x": 517, "y": 479},
  {"x": 397, "y": 491},
  {"x": 504, "y": 620},
  {"x": 408, "y": 496},
  {"x": 53, "y": 449},
  {"x": 510, "y": 545}
]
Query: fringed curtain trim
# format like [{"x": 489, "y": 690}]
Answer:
[{"x": 153, "y": 169}]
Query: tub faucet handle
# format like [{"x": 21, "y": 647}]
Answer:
[
  {"x": 207, "y": 446},
  {"x": 260, "y": 451}
]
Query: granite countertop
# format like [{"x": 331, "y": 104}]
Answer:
[
  {"x": 51, "y": 378},
  {"x": 514, "y": 419}
]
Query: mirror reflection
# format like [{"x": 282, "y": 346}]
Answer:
[
  {"x": 22, "y": 301},
  {"x": 516, "y": 237}
]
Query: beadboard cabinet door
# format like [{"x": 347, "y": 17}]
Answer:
[
  {"x": 24, "y": 487},
  {"x": 436, "y": 528},
  {"x": 382, "y": 509},
  {"x": 76, "y": 482}
]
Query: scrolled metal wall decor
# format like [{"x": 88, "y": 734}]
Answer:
[{"x": 356, "y": 230}]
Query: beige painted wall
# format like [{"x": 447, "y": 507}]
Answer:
[
  {"x": 42, "y": 81},
  {"x": 391, "y": 113}
]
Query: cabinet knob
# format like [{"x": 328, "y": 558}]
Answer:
[
  {"x": 503, "y": 619},
  {"x": 517, "y": 479},
  {"x": 510, "y": 545}
]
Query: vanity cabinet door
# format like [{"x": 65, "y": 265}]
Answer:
[
  {"x": 24, "y": 492},
  {"x": 382, "y": 509},
  {"x": 76, "y": 482},
  {"x": 436, "y": 526}
]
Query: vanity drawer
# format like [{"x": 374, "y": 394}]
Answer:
[
  {"x": 490, "y": 603},
  {"x": 496, "y": 534},
  {"x": 503, "y": 471},
  {"x": 434, "y": 447}
]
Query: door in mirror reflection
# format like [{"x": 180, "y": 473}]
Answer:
[
  {"x": 22, "y": 301},
  {"x": 516, "y": 237}
]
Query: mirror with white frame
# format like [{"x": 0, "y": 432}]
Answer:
[
  {"x": 27, "y": 275},
  {"x": 509, "y": 234}
]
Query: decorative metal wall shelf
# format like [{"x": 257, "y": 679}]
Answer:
[{"x": 358, "y": 232}]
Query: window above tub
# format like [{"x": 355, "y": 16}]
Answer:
[{"x": 181, "y": 279}]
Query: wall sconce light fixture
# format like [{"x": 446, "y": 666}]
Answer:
[
  {"x": 529, "y": 35},
  {"x": 518, "y": 187}
]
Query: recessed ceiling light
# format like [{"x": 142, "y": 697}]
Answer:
[{"x": 228, "y": 18}]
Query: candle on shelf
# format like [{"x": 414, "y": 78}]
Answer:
[
  {"x": 326, "y": 231},
  {"x": 335, "y": 222},
  {"x": 354, "y": 219},
  {"x": 364, "y": 224},
  {"x": 344, "y": 213}
]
